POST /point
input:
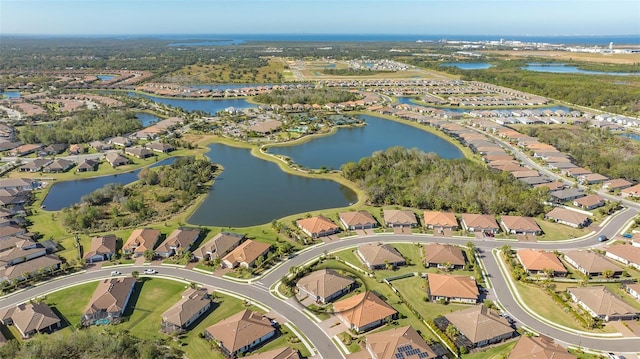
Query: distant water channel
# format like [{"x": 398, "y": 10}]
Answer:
[
  {"x": 67, "y": 193},
  {"x": 633, "y": 136},
  {"x": 208, "y": 106},
  {"x": 561, "y": 68},
  {"x": 353, "y": 143},
  {"x": 251, "y": 191},
  {"x": 468, "y": 65}
]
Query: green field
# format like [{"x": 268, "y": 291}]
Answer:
[{"x": 497, "y": 352}]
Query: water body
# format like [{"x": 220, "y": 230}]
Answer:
[
  {"x": 468, "y": 65},
  {"x": 223, "y": 87},
  {"x": 105, "y": 77},
  {"x": 147, "y": 119},
  {"x": 67, "y": 193},
  {"x": 633, "y": 136},
  {"x": 251, "y": 191},
  {"x": 10, "y": 94},
  {"x": 353, "y": 143},
  {"x": 206, "y": 105},
  {"x": 560, "y": 68},
  {"x": 409, "y": 101},
  {"x": 207, "y": 43}
]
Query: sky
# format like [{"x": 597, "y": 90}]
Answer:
[{"x": 428, "y": 17}]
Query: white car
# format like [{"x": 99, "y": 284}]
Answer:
[
  {"x": 115, "y": 272},
  {"x": 150, "y": 271}
]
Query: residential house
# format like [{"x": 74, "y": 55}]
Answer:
[
  {"x": 58, "y": 166},
  {"x": 452, "y": 288},
  {"x": 318, "y": 226},
  {"x": 280, "y": 353},
  {"x": 87, "y": 165},
  {"x": 357, "y": 220},
  {"x": 241, "y": 332},
  {"x": 11, "y": 230},
  {"x": 141, "y": 240},
  {"x": 565, "y": 195},
  {"x": 379, "y": 256},
  {"x": 520, "y": 225},
  {"x": 54, "y": 149},
  {"x": 592, "y": 178},
  {"x": 101, "y": 146},
  {"x": 439, "y": 221},
  {"x": 120, "y": 141},
  {"x": 218, "y": 246},
  {"x": 472, "y": 222},
  {"x": 540, "y": 262},
  {"x": 193, "y": 304},
  {"x": 589, "y": 202},
  {"x": 399, "y": 218},
  {"x": 116, "y": 160},
  {"x": 364, "y": 311},
  {"x": 42, "y": 264},
  {"x": 325, "y": 285},
  {"x": 616, "y": 184},
  {"x": 24, "y": 150},
  {"x": 31, "y": 318},
  {"x": 36, "y": 165},
  {"x": 18, "y": 184},
  {"x": 591, "y": 263},
  {"x": 552, "y": 186},
  {"x": 138, "y": 152},
  {"x": 570, "y": 218},
  {"x": 23, "y": 251},
  {"x": 402, "y": 342},
  {"x": 633, "y": 289},
  {"x": 77, "y": 149},
  {"x": 480, "y": 325},
  {"x": 633, "y": 191},
  {"x": 160, "y": 147},
  {"x": 246, "y": 254},
  {"x": 443, "y": 256},
  {"x": 603, "y": 304},
  {"x": 540, "y": 347},
  {"x": 109, "y": 301},
  {"x": 625, "y": 253},
  {"x": 177, "y": 242},
  {"x": 102, "y": 248}
]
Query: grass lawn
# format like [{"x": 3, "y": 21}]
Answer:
[
  {"x": 496, "y": 352},
  {"x": 414, "y": 291},
  {"x": 556, "y": 231},
  {"x": 72, "y": 310},
  {"x": 582, "y": 355}
]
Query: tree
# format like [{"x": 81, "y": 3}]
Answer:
[
  {"x": 607, "y": 273},
  {"x": 135, "y": 274},
  {"x": 452, "y": 331},
  {"x": 149, "y": 255}
]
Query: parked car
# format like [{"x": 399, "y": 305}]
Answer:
[
  {"x": 627, "y": 235},
  {"x": 150, "y": 271},
  {"x": 602, "y": 238},
  {"x": 115, "y": 272}
]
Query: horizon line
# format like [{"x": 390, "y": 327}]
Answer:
[{"x": 307, "y": 34}]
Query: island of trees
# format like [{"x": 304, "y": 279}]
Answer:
[{"x": 306, "y": 96}]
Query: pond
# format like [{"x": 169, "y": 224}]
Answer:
[
  {"x": 67, "y": 193},
  {"x": 468, "y": 65},
  {"x": 105, "y": 77},
  {"x": 633, "y": 136},
  {"x": 561, "y": 68},
  {"x": 353, "y": 143},
  {"x": 147, "y": 119},
  {"x": 208, "y": 106},
  {"x": 251, "y": 191},
  {"x": 10, "y": 94}
]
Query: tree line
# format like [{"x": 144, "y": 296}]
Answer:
[
  {"x": 412, "y": 178},
  {"x": 306, "y": 96},
  {"x": 82, "y": 127}
]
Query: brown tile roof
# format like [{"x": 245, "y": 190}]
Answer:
[
  {"x": 539, "y": 348},
  {"x": 480, "y": 221},
  {"x": 601, "y": 301},
  {"x": 142, "y": 239},
  {"x": 440, "y": 219},
  {"x": 363, "y": 309},
  {"x": 538, "y": 260},
  {"x": 626, "y": 251},
  {"x": 479, "y": 323},
  {"x": 452, "y": 286},
  {"x": 192, "y": 302},
  {"x": 380, "y": 254},
  {"x": 358, "y": 218},
  {"x": 324, "y": 282},
  {"x": 588, "y": 201},
  {"x": 219, "y": 245},
  {"x": 30, "y": 266},
  {"x": 617, "y": 183},
  {"x": 247, "y": 252},
  {"x": 518, "y": 223},
  {"x": 317, "y": 225},
  {"x": 29, "y": 317},
  {"x": 443, "y": 253},
  {"x": 102, "y": 245},
  {"x": 567, "y": 215},
  {"x": 592, "y": 262},
  {"x": 281, "y": 353},
  {"x": 387, "y": 344},
  {"x": 403, "y": 217},
  {"x": 240, "y": 330},
  {"x": 553, "y": 186},
  {"x": 110, "y": 295},
  {"x": 632, "y": 191},
  {"x": 180, "y": 239}
]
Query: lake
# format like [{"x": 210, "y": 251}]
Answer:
[
  {"x": 561, "y": 68},
  {"x": 251, "y": 191},
  {"x": 10, "y": 94},
  {"x": 208, "y": 106},
  {"x": 633, "y": 136},
  {"x": 147, "y": 119},
  {"x": 67, "y": 193},
  {"x": 105, "y": 77},
  {"x": 353, "y": 143},
  {"x": 468, "y": 65}
]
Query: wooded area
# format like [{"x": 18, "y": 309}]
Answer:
[
  {"x": 306, "y": 96},
  {"x": 412, "y": 178}
]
